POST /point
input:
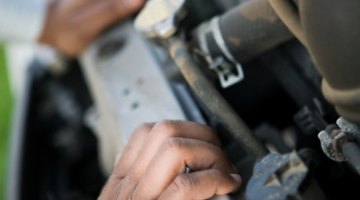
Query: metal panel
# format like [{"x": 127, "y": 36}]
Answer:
[{"x": 128, "y": 87}]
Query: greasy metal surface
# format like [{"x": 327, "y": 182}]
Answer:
[
  {"x": 252, "y": 29},
  {"x": 330, "y": 144},
  {"x": 277, "y": 177},
  {"x": 128, "y": 87},
  {"x": 332, "y": 31},
  {"x": 213, "y": 100}
]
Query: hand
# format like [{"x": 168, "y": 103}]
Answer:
[
  {"x": 154, "y": 161},
  {"x": 71, "y": 25}
]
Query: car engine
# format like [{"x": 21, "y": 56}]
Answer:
[{"x": 277, "y": 79}]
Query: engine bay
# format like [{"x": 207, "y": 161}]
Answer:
[{"x": 260, "y": 90}]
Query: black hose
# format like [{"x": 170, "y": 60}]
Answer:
[
  {"x": 248, "y": 30},
  {"x": 290, "y": 18},
  {"x": 217, "y": 105}
]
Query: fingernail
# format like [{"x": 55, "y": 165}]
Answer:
[{"x": 236, "y": 177}]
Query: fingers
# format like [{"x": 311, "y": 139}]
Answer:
[
  {"x": 132, "y": 150},
  {"x": 99, "y": 15},
  {"x": 201, "y": 185},
  {"x": 172, "y": 158},
  {"x": 168, "y": 129},
  {"x": 111, "y": 189},
  {"x": 71, "y": 25},
  {"x": 162, "y": 152},
  {"x": 74, "y": 5}
]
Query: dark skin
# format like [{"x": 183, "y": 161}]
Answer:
[
  {"x": 71, "y": 25},
  {"x": 153, "y": 163}
]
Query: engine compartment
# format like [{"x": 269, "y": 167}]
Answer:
[{"x": 280, "y": 99}]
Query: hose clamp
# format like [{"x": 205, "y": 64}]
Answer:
[{"x": 229, "y": 70}]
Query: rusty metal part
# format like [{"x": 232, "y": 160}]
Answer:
[
  {"x": 331, "y": 142},
  {"x": 340, "y": 145},
  {"x": 213, "y": 100},
  {"x": 251, "y": 29},
  {"x": 332, "y": 32},
  {"x": 287, "y": 13}
]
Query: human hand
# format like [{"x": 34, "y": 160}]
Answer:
[
  {"x": 153, "y": 165},
  {"x": 71, "y": 25}
]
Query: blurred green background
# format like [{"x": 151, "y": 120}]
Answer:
[{"x": 5, "y": 115}]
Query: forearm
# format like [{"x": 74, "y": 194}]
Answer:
[{"x": 21, "y": 20}]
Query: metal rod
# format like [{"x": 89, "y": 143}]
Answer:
[
  {"x": 213, "y": 99},
  {"x": 351, "y": 152}
]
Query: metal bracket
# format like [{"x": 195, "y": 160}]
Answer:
[
  {"x": 227, "y": 68},
  {"x": 159, "y": 18},
  {"x": 332, "y": 140},
  {"x": 228, "y": 73}
]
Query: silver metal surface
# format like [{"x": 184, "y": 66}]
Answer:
[
  {"x": 159, "y": 18},
  {"x": 128, "y": 88}
]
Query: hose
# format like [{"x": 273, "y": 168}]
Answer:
[
  {"x": 332, "y": 31},
  {"x": 290, "y": 18},
  {"x": 216, "y": 104},
  {"x": 248, "y": 30}
]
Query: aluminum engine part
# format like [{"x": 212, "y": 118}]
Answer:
[
  {"x": 159, "y": 18},
  {"x": 128, "y": 87}
]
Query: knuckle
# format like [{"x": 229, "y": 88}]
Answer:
[
  {"x": 167, "y": 128},
  {"x": 133, "y": 195},
  {"x": 218, "y": 173},
  {"x": 143, "y": 129},
  {"x": 174, "y": 144},
  {"x": 184, "y": 183}
]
